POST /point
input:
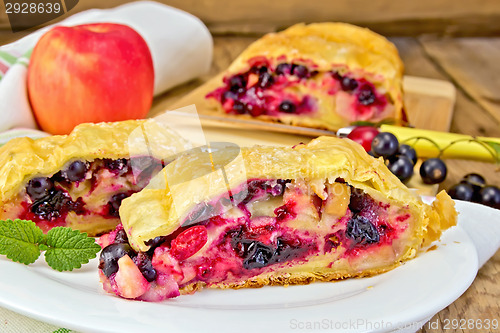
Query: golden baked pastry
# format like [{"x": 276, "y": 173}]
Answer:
[
  {"x": 322, "y": 75},
  {"x": 267, "y": 216},
  {"x": 78, "y": 180}
]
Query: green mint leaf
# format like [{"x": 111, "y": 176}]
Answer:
[
  {"x": 62, "y": 330},
  {"x": 69, "y": 249},
  {"x": 19, "y": 240}
]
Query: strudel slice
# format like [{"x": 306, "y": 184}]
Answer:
[
  {"x": 79, "y": 180},
  {"x": 323, "y": 75},
  {"x": 266, "y": 216}
]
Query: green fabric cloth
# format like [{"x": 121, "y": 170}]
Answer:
[
  {"x": 7, "y": 60},
  {"x": 12, "y": 322}
]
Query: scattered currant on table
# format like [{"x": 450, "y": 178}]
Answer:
[
  {"x": 401, "y": 166},
  {"x": 473, "y": 187},
  {"x": 399, "y": 158},
  {"x": 490, "y": 196},
  {"x": 474, "y": 179},
  {"x": 402, "y": 158},
  {"x": 433, "y": 171},
  {"x": 65, "y": 249},
  {"x": 462, "y": 191},
  {"x": 408, "y": 151},
  {"x": 385, "y": 144},
  {"x": 477, "y": 182}
]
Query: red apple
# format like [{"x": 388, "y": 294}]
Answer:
[{"x": 89, "y": 73}]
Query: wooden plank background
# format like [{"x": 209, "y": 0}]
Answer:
[{"x": 403, "y": 17}]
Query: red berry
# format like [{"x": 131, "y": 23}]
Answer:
[
  {"x": 364, "y": 136},
  {"x": 189, "y": 242}
]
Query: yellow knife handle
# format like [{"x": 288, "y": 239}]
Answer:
[{"x": 451, "y": 145}]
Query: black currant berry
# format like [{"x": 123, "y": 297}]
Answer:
[
  {"x": 474, "y": 179},
  {"x": 385, "y": 144},
  {"x": 239, "y": 107},
  {"x": 433, "y": 171},
  {"x": 477, "y": 182},
  {"x": 265, "y": 80},
  {"x": 237, "y": 83},
  {"x": 300, "y": 71},
  {"x": 461, "y": 191},
  {"x": 366, "y": 96},
  {"x": 119, "y": 166},
  {"x": 115, "y": 202},
  {"x": 490, "y": 196},
  {"x": 108, "y": 260},
  {"x": 51, "y": 205},
  {"x": 75, "y": 171},
  {"x": 283, "y": 69},
  {"x": 287, "y": 107},
  {"x": 143, "y": 262},
  {"x": 39, "y": 187},
  {"x": 121, "y": 236},
  {"x": 408, "y": 152},
  {"x": 261, "y": 256},
  {"x": 362, "y": 231},
  {"x": 402, "y": 167},
  {"x": 348, "y": 84}
]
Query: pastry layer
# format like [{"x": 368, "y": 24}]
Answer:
[
  {"x": 324, "y": 75},
  {"x": 322, "y": 211},
  {"x": 79, "y": 180}
]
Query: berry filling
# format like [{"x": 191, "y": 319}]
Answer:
[
  {"x": 83, "y": 190},
  {"x": 263, "y": 227},
  {"x": 290, "y": 88}
]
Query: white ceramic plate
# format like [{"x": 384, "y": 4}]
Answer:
[{"x": 401, "y": 299}]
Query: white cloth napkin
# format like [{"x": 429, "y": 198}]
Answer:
[
  {"x": 482, "y": 224},
  {"x": 180, "y": 44}
]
